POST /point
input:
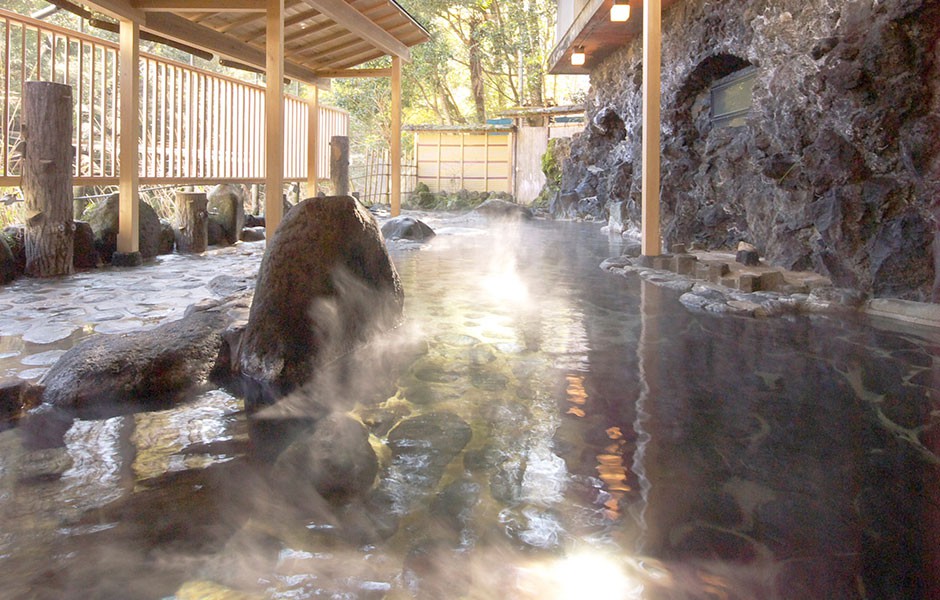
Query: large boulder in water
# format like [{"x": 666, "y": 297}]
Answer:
[
  {"x": 103, "y": 219},
  {"x": 407, "y": 228},
  {"x": 326, "y": 284},
  {"x": 227, "y": 210}
]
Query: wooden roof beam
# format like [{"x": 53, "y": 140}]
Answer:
[
  {"x": 356, "y": 22},
  {"x": 354, "y": 73},
  {"x": 117, "y": 9},
  {"x": 216, "y": 6}
]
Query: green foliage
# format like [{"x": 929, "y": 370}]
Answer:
[{"x": 551, "y": 166}]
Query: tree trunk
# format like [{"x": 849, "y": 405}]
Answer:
[
  {"x": 474, "y": 50},
  {"x": 339, "y": 164},
  {"x": 47, "y": 178},
  {"x": 193, "y": 235}
]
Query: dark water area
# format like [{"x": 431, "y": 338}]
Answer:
[{"x": 620, "y": 447}]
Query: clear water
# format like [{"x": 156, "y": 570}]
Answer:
[{"x": 622, "y": 447}]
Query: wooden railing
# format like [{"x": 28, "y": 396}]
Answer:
[{"x": 196, "y": 126}]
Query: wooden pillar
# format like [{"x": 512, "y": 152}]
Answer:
[
  {"x": 395, "y": 142},
  {"x": 274, "y": 118},
  {"x": 339, "y": 164},
  {"x": 128, "y": 213},
  {"x": 313, "y": 141},
  {"x": 652, "y": 57},
  {"x": 47, "y": 178},
  {"x": 193, "y": 222}
]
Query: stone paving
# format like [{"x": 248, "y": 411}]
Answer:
[{"x": 41, "y": 318}]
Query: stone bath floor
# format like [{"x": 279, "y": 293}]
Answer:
[{"x": 41, "y": 318}]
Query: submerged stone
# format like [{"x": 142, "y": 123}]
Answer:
[{"x": 335, "y": 460}]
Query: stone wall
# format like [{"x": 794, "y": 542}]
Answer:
[{"x": 837, "y": 169}]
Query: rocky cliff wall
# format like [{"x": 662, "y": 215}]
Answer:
[{"x": 837, "y": 167}]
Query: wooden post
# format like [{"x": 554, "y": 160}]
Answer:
[
  {"x": 395, "y": 142},
  {"x": 128, "y": 213},
  {"x": 339, "y": 164},
  {"x": 652, "y": 57},
  {"x": 47, "y": 178},
  {"x": 313, "y": 141},
  {"x": 274, "y": 117},
  {"x": 193, "y": 213},
  {"x": 255, "y": 199}
]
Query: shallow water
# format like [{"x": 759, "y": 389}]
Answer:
[{"x": 622, "y": 447}]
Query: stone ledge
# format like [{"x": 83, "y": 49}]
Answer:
[{"x": 918, "y": 313}]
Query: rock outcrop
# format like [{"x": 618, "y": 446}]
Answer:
[
  {"x": 84, "y": 255},
  {"x": 835, "y": 167},
  {"x": 7, "y": 262},
  {"x": 326, "y": 284},
  {"x": 103, "y": 219},
  {"x": 227, "y": 210}
]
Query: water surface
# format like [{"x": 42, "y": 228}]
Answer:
[{"x": 622, "y": 447}]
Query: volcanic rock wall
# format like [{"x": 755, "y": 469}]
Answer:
[{"x": 837, "y": 168}]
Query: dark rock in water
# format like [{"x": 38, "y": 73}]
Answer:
[
  {"x": 7, "y": 262},
  {"x": 335, "y": 461},
  {"x": 167, "y": 238},
  {"x": 748, "y": 257},
  {"x": 253, "y": 221},
  {"x": 16, "y": 396},
  {"x": 326, "y": 284},
  {"x": 423, "y": 446},
  {"x": 503, "y": 209},
  {"x": 103, "y": 219},
  {"x": 84, "y": 255},
  {"x": 452, "y": 509},
  {"x": 407, "y": 228},
  {"x": 15, "y": 236},
  {"x": 252, "y": 234},
  {"x": 215, "y": 235},
  {"x": 227, "y": 209},
  {"x": 107, "y": 375}
]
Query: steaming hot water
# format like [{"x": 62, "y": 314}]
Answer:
[{"x": 622, "y": 447}]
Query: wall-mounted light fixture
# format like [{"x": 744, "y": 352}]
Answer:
[
  {"x": 620, "y": 11},
  {"x": 577, "y": 57}
]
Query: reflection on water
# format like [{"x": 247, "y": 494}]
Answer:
[{"x": 621, "y": 447}]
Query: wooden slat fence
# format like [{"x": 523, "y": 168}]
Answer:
[
  {"x": 459, "y": 159},
  {"x": 374, "y": 179},
  {"x": 196, "y": 126}
]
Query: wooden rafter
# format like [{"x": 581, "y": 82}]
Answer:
[
  {"x": 180, "y": 6},
  {"x": 359, "y": 24}
]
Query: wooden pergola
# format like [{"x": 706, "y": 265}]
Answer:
[{"x": 310, "y": 41}]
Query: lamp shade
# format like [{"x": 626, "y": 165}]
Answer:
[
  {"x": 577, "y": 57},
  {"x": 620, "y": 11}
]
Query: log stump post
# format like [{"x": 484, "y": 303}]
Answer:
[
  {"x": 339, "y": 164},
  {"x": 193, "y": 236},
  {"x": 47, "y": 178}
]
